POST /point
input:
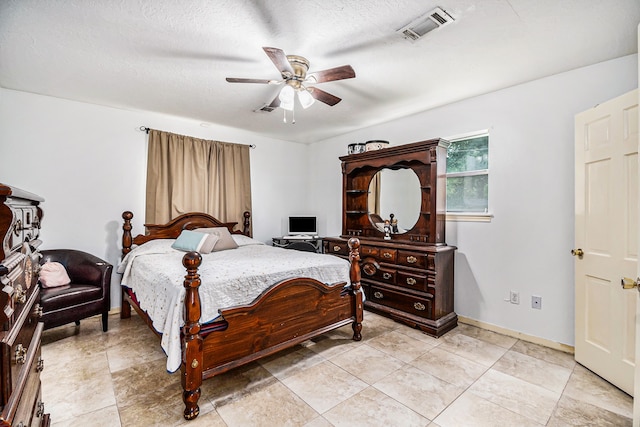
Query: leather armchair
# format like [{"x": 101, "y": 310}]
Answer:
[{"x": 88, "y": 293}]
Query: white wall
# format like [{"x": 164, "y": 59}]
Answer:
[
  {"x": 526, "y": 247},
  {"x": 89, "y": 163}
]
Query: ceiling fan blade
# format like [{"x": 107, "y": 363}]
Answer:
[
  {"x": 279, "y": 59},
  {"x": 261, "y": 81},
  {"x": 323, "y": 96},
  {"x": 272, "y": 106},
  {"x": 338, "y": 73}
]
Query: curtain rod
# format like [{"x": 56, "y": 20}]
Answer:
[{"x": 146, "y": 130}]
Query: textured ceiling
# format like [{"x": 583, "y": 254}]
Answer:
[{"x": 173, "y": 56}]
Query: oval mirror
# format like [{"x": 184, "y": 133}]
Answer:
[{"x": 395, "y": 192}]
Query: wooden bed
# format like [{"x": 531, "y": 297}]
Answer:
[{"x": 287, "y": 313}]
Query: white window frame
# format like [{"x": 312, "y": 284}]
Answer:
[{"x": 470, "y": 216}]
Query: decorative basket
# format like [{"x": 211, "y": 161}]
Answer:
[{"x": 375, "y": 145}]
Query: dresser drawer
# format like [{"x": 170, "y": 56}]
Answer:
[
  {"x": 414, "y": 281},
  {"x": 417, "y": 260},
  {"x": 408, "y": 303},
  {"x": 336, "y": 248},
  {"x": 25, "y": 404},
  {"x": 31, "y": 408},
  {"x": 18, "y": 350},
  {"x": 385, "y": 275}
]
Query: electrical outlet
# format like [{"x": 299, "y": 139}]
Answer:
[
  {"x": 536, "y": 302},
  {"x": 514, "y": 297}
]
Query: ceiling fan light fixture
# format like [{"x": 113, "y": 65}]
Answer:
[
  {"x": 287, "y": 98},
  {"x": 305, "y": 98}
]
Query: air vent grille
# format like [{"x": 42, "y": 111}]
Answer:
[{"x": 428, "y": 22}]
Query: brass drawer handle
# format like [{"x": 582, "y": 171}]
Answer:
[
  {"x": 378, "y": 295},
  {"x": 40, "y": 364},
  {"x": 37, "y": 311},
  {"x": 336, "y": 248},
  {"x": 21, "y": 295},
  {"x": 411, "y": 281},
  {"x": 412, "y": 259},
  {"x": 387, "y": 255},
  {"x": 21, "y": 354},
  {"x": 17, "y": 227},
  {"x": 386, "y": 276},
  {"x": 419, "y": 306}
]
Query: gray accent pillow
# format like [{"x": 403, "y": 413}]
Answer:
[{"x": 225, "y": 241}]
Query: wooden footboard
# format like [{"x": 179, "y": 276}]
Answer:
[{"x": 286, "y": 314}]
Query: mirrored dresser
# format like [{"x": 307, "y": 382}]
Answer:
[{"x": 394, "y": 201}]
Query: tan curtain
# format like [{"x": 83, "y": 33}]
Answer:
[
  {"x": 186, "y": 174},
  {"x": 374, "y": 194}
]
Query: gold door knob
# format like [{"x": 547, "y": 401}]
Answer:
[
  {"x": 577, "y": 252},
  {"x": 628, "y": 283}
]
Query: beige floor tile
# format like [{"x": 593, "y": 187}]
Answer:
[
  {"x": 210, "y": 419},
  {"x": 105, "y": 417},
  {"x": 570, "y": 412},
  {"x": 449, "y": 367},
  {"x": 318, "y": 422},
  {"x": 235, "y": 384},
  {"x": 536, "y": 371},
  {"x": 418, "y": 335},
  {"x": 586, "y": 386},
  {"x": 470, "y": 410},
  {"x": 516, "y": 395},
  {"x": 291, "y": 361},
  {"x": 400, "y": 346},
  {"x": 274, "y": 405},
  {"x": 82, "y": 387},
  {"x": 545, "y": 353},
  {"x": 140, "y": 385},
  {"x": 371, "y": 407},
  {"x": 333, "y": 343},
  {"x": 323, "y": 386},
  {"x": 419, "y": 391},
  {"x": 487, "y": 336},
  {"x": 367, "y": 363},
  {"x": 472, "y": 348},
  {"x": 163, "y": 413},
  {"x": 144, "y": 349}
]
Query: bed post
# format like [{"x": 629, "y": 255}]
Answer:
[
  {"x": 191, "y": 367},
  {"x": 127, "y": 242},
  {"x": 245, "y": 225},
  {"x": 354, "y": 275}
]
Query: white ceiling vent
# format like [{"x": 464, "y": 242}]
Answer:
[{"x": 436, "y": 18}]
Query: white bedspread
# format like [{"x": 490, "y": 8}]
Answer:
[{"x": 154, "y": 271}]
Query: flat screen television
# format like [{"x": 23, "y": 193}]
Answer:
[{"x": 306, "y": 225}]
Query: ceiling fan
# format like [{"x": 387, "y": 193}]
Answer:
[{"x": 293, "y": 69}]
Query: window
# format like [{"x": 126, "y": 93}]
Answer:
[{"x": 468, "y": 177}]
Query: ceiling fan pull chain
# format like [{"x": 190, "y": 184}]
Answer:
[
  {"x": 284, "y": 119},
  {"x": 293, "y": 116}
]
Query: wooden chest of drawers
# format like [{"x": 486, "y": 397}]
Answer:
[
  {"x": 20, "y": 360},
  {"x": 410, "y": 283}
]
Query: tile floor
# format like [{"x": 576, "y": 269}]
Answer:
[{"x": 396, "y": 376}]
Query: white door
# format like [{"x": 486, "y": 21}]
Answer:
[{"x": 606, "y": 238}]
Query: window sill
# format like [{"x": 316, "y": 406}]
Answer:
[{"x": 469, "y": 216}]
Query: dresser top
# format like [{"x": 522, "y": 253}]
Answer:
[{"x": 7, "y": 190}]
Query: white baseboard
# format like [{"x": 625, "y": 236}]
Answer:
[{"x": 519, "y": 335}]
